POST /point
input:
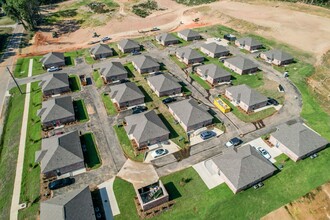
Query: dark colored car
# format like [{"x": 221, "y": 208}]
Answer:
[
  {"x": 207, "y": 134},
  {"x": 234, "y": 142},
  {"x": 169, "y": 100},
  {"x": 136, "y": 53},
  {"x": 139, "y": 109},
  {"x": 60, "y": 183},
  {"x": 272, "y": 101}
]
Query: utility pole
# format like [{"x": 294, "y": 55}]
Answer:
[{"x": 12, "y": 76}]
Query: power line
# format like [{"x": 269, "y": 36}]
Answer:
[{"x": 12, "y": 76}]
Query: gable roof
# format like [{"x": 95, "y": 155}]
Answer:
[
  {"x": 60, "y": 151},
  {"x": 249, "y": 41},
  {"x": 166, "y": 37},
  {"x": 145, "y": 126},
  {"x": 145, "y": 62},
  {"x": 189, "y": 53},
  {"x": 54, "y": 81},
  {"x": 241, "y": 63},
  {"x": 128, "y": 44},
  {"x": 125, "y": 92},
  {"x": 189, "y": 112},
  {"x": 278, "y": 55},
  {"x": 215, "y": 48},
  {"x": 163, "y": 82},
  {"x": 113, "y": 69},
  {"x": 213, "y": 70},
  {"x": 100, "y": 49},
  {"x": 76, "y": 204},
  {"x": 189, "y": 33},
  {"x": 243, "y": 166},
  {"x": 52, "y": 57},
  {"x": 298, "y": 138},
  {"x": 55, "y": 109},
  {"x": 246, "y": 95}
]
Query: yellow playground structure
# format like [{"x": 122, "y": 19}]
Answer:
[{"x": 221, "y": 105}]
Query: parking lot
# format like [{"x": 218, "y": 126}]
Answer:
[{"x": 273, "y": 151}]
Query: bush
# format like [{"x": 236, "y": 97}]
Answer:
[{"x": 144, "y": 9}]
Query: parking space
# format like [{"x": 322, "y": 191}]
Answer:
[
  {"x": 196, "y": 138},
  {"x": 273, "y": 151},
  {"x": 207, "y": 173},
  {"x": 170, "y": 146}
]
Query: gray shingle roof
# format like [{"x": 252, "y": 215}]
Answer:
[
  {"x": 145, "y": 62},
  {"x": 114, "y": 69},
  {"x": 189, "y": 53},
  {"x": 298, "y": 138},
  {"x": 60, "y": 151},
  {"x": 278, "y": 55},
  {"x": 54, "y": 81},
  {"x": 128, "y": 44},
  {"x": 246, "y": 95},
  {"x": 72, "y": 205},
  {"x": 241, "y": 63},
  {"x": 189, "y": 33},
  {"x": 213, "y": 70},
  {"x": 166, "y": 37},
  {"x": 100, "y": 49},
  {"x": 215, "y": 48},
  {"x": 164, "y": 82},
  {"x": 249, "y": 41},
  {"x": 55, "y": 109},
  {"x": 52, "y": 57},
  {"x": 243, "y": 166},
  {"x": 189, "y": 112},
  {"x": 125, "y": 92},
  {"x": 145, "y": 126}
]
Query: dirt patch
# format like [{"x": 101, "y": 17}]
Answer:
[{"x": 90, "y": 109}]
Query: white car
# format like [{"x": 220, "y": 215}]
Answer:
[
  {"x": 53, "y": 69},
  {"x": 264, "y": 153},
  {"x": 159, "y": 152},
  {"x": 105, "y": 38}
]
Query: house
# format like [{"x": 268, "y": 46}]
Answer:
[
  {"x": 57, "y": 111},
  {"x": 241, "y": 65},
  {"x": 146, "y": 129},
  {"x": 114, "y": 71},
  {"x": 126, "y": 94},
  {"x": 277, "y": 57},
  {"x": 190, "y": 114},
  {"x": 242, "y": 167},
  {"x": 128, "y": 46},
  {"x": 53, "y": 59},
  {"x": 164, "y": 85},
  {"x": 56, "y": 83},
  {"x": 214, "y": 50},
  {"x": 60, "y": 155},
  {"x": 145, "y": 64},
  {"x": 248, "y": 43},
  {"x": 166, "y": 39},
  {"x": 246, "y": 98},
  {"x": 76, "y": 204},
  {"x": 101, "y": 51},
  {"x": 297, "y": 141},
  {"x": 213, "y": 74},
  {"x": 189, "y": 35},
  {"x": 189, "y": 56}
]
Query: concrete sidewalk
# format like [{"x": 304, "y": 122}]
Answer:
[{"x": 109, "y": 201}]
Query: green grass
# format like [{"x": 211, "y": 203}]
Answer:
[
  {"x": 200, "y": 81},
  {"x": 9, "y": 149},
  {"x": 108, "y": 104},
  {"x": 253, "y": 81},
  {"x": 97, "y": 79},
  {"x": 80, "y": 110},
  {"x": 131, "y": 71},
  {"x": 72, "y": 55},
  {"x": 91, "y": 156},
  {"x": 74, "y": 83},
  {"x": 30, "y": 186},
  {"x": 22, "y": 67},
  {"x": 126, "y": 145},
  {"x": 217, "y": 31},
  {"x": 177, "y": 62},
  {"x": 5, "y": 20}
]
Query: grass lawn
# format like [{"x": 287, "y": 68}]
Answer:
[
  {"x": 131, "y": 71},
  {"x": 5, "y": 34},
  {"x": 126, "y": 145},
  {"x": 185, "y": 90},
  {"x": 30, "y": 187},
  {"x": 116, "y": 51},
  {"x": 97, "y": 79},
  {"x": 80, "y": 110},
  {"x": 200, "y": 81},
  {"x": 92, "y": 158},
  {"x": 5, "y": 20},
  {"x": 218, "y": 31},
  {"x": 9, "y": 149},
  {"x": 72, "y": 55},
  {"x": 177, "y": 62},
  {"x": 22, "y": 67},
  {"x": 108, "y": 104},
  {"x": 74, "y": 82}
]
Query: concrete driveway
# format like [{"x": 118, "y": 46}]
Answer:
[
  {"x": 170, "y": 146},
  {"x": 207, "y": 174},
  {"x": 196, "y": 139},
  {"x": 273, "y": 151}
]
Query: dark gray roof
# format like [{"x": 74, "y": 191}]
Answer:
[
  {"x": 125, "y": 92},
  {"x": 249, "y": 41},
  {"x": 189, "y": 33},
  {"x": 55, "y": 109},
  {"x": 54, "y": 81},
  {"x": 145, "y": 61},
  {"x": 166, "y": 37},
  {"x": 114, "y": 69},
  {"x": 128, "y": 44},
  {"x": 72, "y": 205},
  {"x": 243, "y": 166},
  {"x": 241, "y": 63},
  {"x": 213, "y": 70},
  {"x": 100, "y": 49},
  {"x": 298, "y": 138},
  {"x": 278, "y": 55},
  {"x": 164, "y": 82},
  {"x": 59, "y": 151},
  {"x": 215, "y": 48},
  {"x": 145, "y": 126},
  {"x": 52, "y": 57},
  {"x": 189, "y": 53},
  {"x": 246, "y": 95},
  {"x": 189, "y": 112}
]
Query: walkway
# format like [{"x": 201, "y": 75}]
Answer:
[{"x": 21, "y": 151}]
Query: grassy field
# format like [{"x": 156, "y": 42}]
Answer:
[
  {"x": 22, "y": 67},
  {"x": 91, "y": 156},
  {"x": 5, "y": 34},
  {"x": 200, "y": 81},
  {"x": 97, "y": 79},
  {"x": 108, "y": 104},
  {"x": 5, "y": 20},
  {"x": 74, "y": 83},
  {"x": 80, "y": 110},
  {"x": 9, "y": 149}
]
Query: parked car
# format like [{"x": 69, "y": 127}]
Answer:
[
  {"x": 207, "y": 134},
  {"x": 272, "y": 101},
  {"x": 53, "y": 69},
  {"x": 159, "y": 152},
  {"x": 169, "y": 100},
  {"x": 234, "y": 142},
  {"x": 61, "y": 183},
  {"x": 136, "y": 53},
  {"x": 139, "y": 109},
  {"x": 264, "y": 153},
  {"x": 105, "y": 38},
  {"x": 256, "y": 186}
]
